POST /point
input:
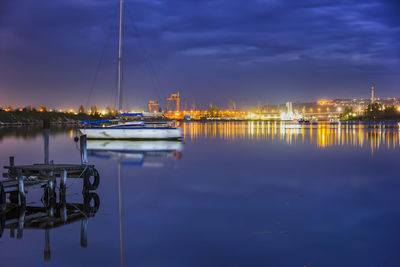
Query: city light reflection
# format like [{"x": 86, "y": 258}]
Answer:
[{"x": 321, "y": 135}]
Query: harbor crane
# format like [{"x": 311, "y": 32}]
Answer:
[
  {"x": 174, "y": 98},
  {"x": 154, "y": 106}
]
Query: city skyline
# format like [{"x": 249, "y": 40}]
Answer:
[{"x": 270, "y": 50}]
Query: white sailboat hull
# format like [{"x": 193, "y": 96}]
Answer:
[{"x": 132, "y": 133}]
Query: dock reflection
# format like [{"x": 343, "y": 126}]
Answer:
[{"x": 52, "y": 214}]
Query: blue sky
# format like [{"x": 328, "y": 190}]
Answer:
[{"x": 248, "y": 51}]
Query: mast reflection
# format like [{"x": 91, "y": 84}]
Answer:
[{"x": 133, "y": 153}]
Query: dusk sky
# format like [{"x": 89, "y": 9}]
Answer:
[{"x": 209, "y": 51}]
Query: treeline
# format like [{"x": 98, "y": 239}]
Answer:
[
  {"x": 32, "y": 116},
  {"x": 374, "y": 112}
]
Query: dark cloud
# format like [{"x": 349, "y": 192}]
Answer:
[{"x": 210, "y": 50}]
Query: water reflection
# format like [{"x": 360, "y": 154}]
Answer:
[
  {"x": 322, "y": 135},
  {"x": 227, "y": 204},
  {"x": 139, "y": 153},
  {"x": 133, "y": 153},
  {"x": 51, "y": 214},
  {"x": 31, "y": 132}
]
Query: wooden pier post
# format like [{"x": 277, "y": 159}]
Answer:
[
  {"x": 21, "y": 222},
  {"x": 52, "y": 196},
  {"x": 63, "y": 188},
  {"x": 63, "y": 180},
  {"x": 12, "y": 231},
  {"x": 84, "y": 225},
  {"x": 11, "y": 171},
  {"x": 63, "y": 212},
  {"x": 46, "y": 128},
  {"x": 47, "y": 245},
  {"x": 83, "y": 147},
  {"x": 12, "y": 163},
  {"x": 21, "y": 188},
  {"x": 3, "y": 203}
]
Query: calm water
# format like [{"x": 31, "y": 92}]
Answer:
[{"x": 234, "y": 194}]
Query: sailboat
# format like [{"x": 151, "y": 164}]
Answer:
[{"x": 128, "y": 130}]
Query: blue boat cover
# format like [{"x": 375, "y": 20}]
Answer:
[
  {"x": 94, "y": 122},
  {"x": 132, "y": 114}
]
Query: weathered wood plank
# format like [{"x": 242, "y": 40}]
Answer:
[{"x": 50, "y": 167}]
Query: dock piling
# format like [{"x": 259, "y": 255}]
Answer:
[
  {"x": 21, "y": 222},
  {"x": 47, "y": 245},
  {"x": 63, "y": 181},
  {"x": 3, "y": 203},
  {"x": 12, "y": 231},
  {"x": 12, "y": 163},
  {"x": 83, "y": 148},
  {"x": 46, "y": 128},
  {"x": 21, "y": 188},
  {"x": 84, "y": 225},
  {"x": 52, "y": 196}
]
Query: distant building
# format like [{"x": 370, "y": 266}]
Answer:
[
  {"x": 289, "y": 107},
  {"x": 372, "y": 94}
]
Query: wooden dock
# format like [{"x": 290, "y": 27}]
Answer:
[{"x": 19, "y": 179}]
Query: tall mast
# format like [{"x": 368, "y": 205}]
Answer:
[{"x": 119, "y": 85}]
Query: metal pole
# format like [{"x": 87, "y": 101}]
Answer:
[{"x": 119, "y": 85}]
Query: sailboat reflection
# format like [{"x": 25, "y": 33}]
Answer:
[
  {"x": 139, "y": 153},
  {"x": 133, "y": 153},
  {"x": 17, "y": 216}
]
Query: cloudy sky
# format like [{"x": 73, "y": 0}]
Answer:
[{"x": 63, "y": 53}]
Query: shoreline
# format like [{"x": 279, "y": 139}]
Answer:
[
  {"x": 78, "y": 122},
  {"x": 37, "y": 123}
]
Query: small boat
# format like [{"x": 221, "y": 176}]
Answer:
[
  {"x": 121, "y": 129},
  {"x": 303, "y": 121}
]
